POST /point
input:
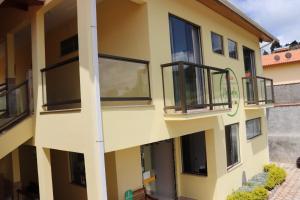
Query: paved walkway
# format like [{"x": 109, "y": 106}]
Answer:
[{"x": 290, "y": 189}]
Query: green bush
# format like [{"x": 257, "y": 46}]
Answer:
[
  {"x": 258, "y": 193},
  {"x": 276, "y": 176},
  {"x": 273, "y": 175},
  {"x": 269, "y": 166}
]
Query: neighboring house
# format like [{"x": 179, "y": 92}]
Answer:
[
  {"x": 284, "y": 127},
  {"x": 180, "y": 110}
]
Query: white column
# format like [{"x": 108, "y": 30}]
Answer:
[
  {"x": 16, "y": 171},
  {"x": 38, "y": 62},
  {"x": 90, "y": 99},
  {"x": 44, "y": 173}
]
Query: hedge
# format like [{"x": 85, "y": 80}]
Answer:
[{"x": 257, "y": 187}]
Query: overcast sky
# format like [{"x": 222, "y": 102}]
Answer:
[{"x": 279, "y": 17}]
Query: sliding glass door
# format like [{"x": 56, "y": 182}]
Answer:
[{"x": 185, "y": 43}]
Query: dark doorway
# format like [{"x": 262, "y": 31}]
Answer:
[
  {"x": 250, "y": 71},
  {"x": 159, "y": 170}
]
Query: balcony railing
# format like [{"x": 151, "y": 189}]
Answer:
[
  {"x": 124, "y": 79},
  {"x": 258, "y": 90},
  {"x": 121, "y": 79},
  {"x": 61, "y": 85},
  {"x": 14, "y": 104},
  {"x": 189, "y": 86}
]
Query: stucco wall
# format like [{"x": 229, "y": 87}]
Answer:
[
  {"x": 283, "y": 123},
  {"x": 283, "y": 73}
]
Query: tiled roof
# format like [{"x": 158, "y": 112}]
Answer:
[{"x": 281, "y": 58}]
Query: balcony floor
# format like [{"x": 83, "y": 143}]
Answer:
[{"x": 194, "y": 114}]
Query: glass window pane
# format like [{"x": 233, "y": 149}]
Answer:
[
  {"x": 232, "y": 144},
  {"x": 217, "y": 43},
  {"x": 253, "y": 128},
  {"x": 232, "y": 48},
  {"x": 194, "y": 154}
]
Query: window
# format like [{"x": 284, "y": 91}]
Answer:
[
  {"x": 232, "y": 144},
  {"x": 69, "y": 45},
  {"x": 77, "y": 169},
  {"x": 194, "y": 154},
  {"x": 232, "y": 48},
  {"x": 217, "y": 43},
  {"x": 253, "y": 128}
]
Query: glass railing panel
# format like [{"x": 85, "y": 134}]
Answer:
[
  {"x": 258, "y": 90},
  {"x": 124, "y": 79},
  {"x": 261, "y": 90},
  {"x": 170, "y": 82},
  {"x": 61, "y": 85}
]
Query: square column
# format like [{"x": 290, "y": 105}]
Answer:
[
  {"x": 38, "y": 61},
  {"x": 90, "y": 99}
]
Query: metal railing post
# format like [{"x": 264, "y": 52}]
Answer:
[
  {"x": 273, "y": 94},
  {"x": 228, "y": 89},
  {"x": 182, "y": 88},
  {"x": 211, "y": 107},
  {"x": 266, "y": 94}
]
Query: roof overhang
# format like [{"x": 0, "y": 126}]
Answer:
[
  {"x": 229, "y": 11},
  {"x": 20, "y": 4}
]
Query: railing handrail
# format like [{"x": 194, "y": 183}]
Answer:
[
  {"x": 121, "y": 58},
  {"x": 60, "y": 64},
  {"x": 194, "y": 65},
  {"x": 108, "y": 56},
  {"x": 259, "y": 77}
]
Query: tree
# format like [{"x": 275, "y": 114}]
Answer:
[
  {"x": 275, "y": 45},
  {"x": 265, "y": 53}
]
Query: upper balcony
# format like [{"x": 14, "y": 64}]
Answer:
[
  {"x": 258, "y": 92},
  {"x": 190, "y": 88},
  {"x": 121, "y": 80}
]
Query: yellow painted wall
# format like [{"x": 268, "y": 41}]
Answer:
[
  {"x": 284, "y": 73},
  {"x": 129, "y": 171},
  {"x": 111, "y": 176}
]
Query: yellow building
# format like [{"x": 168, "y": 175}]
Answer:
[{"x": 100, "y": 98}]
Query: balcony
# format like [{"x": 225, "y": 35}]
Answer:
[
  {"x": 190, "y": 88},
  {"x": 258, "y": 92},
  {"x": 123, "y": 81},
  {"x": 14, "y": 104}
]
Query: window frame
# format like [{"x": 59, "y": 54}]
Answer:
[
  {"x": 238, "y": 146},
  {"x": 222, "y": 43},
  {"x": 71, "y": 179},
  {"x": 260, "y": 128},
  {"x": 183, "y": 171},
  {"x": 236, "y": 49}
]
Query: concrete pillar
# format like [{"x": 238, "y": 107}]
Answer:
[
  {"x": 90, "y": 98},
  {"x": 44, "y": 173},
  {"x": 38, "y": 62},
  {"x": 38, "y": 58},
  {"x": 16, "y": 172}
]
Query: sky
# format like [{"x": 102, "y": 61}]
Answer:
[{"x": 279, "y": 17}]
